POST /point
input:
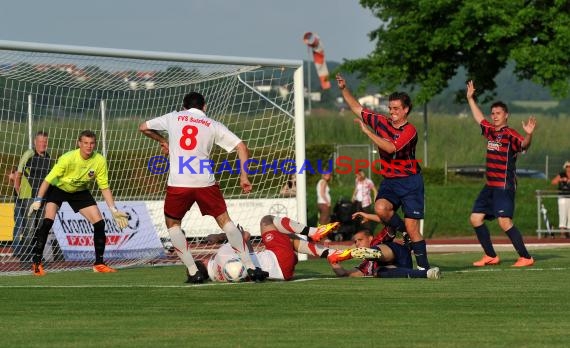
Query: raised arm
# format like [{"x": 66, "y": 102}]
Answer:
[
  {"x": 528, "y": 127},
  {"x": 475, "y": 110},
  {"x": 352, "y": 103}
]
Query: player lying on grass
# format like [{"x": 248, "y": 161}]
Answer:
[
  {"x": 395, "y": 262},
  {"x": 283, "y": 238}
]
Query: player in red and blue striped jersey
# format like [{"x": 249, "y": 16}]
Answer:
[
  {"x": 395, "y": 262},
  {"x": 497, "y": 198},
  {"x": 403, "y": 184}
]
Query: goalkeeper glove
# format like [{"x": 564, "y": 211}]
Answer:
[
  {"x": 35, "y": 206},
  {"x": 121, "y": 218}
]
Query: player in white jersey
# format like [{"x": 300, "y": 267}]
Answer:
[
  {"x": 283, "y": 238},
  {"x": 191, "y": 136}
]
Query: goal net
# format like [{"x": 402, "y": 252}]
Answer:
[{"x": 63, "y": 90}]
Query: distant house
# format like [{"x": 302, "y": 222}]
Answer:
[
  {"x": 72, "y": 69},
  {"x": 281, "y": 90},
  {"x": 374, "y": 102},
  {"x": 140, "y": 79}
]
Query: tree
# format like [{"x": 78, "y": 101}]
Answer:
[{"x": 421, "y": 44}]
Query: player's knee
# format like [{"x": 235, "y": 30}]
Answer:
[
  {"x": 476, "y": 220},
  {"x": 505, "y": 223},
  {"x": 383, "y": 213}
]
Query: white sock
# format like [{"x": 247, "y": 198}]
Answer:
[
  {"x": 180, "y": 244},
  {"x": 286, "y": 225},
  {"x": 236, "y": 240},
  {"x": 310, "y": 248}
]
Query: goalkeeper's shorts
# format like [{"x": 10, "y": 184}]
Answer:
[{"x": 76, "y": 200}]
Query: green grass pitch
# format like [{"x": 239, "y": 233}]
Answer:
[{"x": 151, "y": 307}]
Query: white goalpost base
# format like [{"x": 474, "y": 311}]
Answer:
[{"x": 63, "y": 90}]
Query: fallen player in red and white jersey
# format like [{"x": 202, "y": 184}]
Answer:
[{"x": 283, "y": 238}]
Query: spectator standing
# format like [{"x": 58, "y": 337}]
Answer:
[
  {"x": 363, "y": 186},
  {"x": 324, "y": 199},
  {"x": 562, "y": 180},
  {"x": 33, "y": 167}
]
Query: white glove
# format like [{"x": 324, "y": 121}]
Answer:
[
  {"x": 121, "y": 218},
  {"x": 35, "y": 206}
]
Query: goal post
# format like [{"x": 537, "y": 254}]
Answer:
[{"x": 63, "y": 90}]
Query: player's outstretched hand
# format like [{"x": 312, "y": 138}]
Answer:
[
  {"x": 470, "y": 90},
  {"x": 530, "y": 125},
  {"x": 365, "y": 217},
  {"x": 35, "y": 206},
  {"x": 121, "y": 218},
  {"x": 360, "y": 215}
]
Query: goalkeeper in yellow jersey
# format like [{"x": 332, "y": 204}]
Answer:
[{"x": 68, "y": 181}]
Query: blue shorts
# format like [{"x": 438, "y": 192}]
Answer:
[
  {"x": 495, "y": 202},
  {"x": 407, "y": 192},
  {"x": 402, "y": 255},
  {"x": 402, "y": 259}
]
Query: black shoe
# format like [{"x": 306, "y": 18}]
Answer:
[
  {"x": 257, "y": 275},
  {"x": 197, "y": 278},
  {"x": 203, "y": 269}
]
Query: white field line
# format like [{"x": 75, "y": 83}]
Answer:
[
  {"x": 150, "y": 286},
  {"x": 193, "y": 286}
]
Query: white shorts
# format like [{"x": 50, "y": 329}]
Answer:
[{"x": 267, "y": 260}]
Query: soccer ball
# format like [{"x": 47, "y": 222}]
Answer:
[{"x": 234, "y": 270}]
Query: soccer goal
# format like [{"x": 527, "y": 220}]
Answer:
[{"x": 63, "y": 90}]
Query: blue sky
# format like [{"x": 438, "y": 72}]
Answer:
[{"x": 247, "y": 28}]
